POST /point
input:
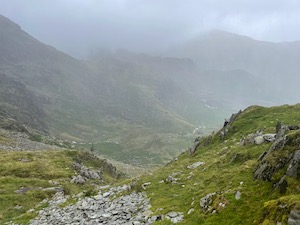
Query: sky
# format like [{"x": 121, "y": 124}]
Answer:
[{"x": 80, "y": 27}]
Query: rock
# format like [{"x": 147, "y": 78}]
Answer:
[
  {"x": 206, "y": 201},
  {"x": 250, "y": 139},
  {"x": 174, "y": 217},
  {"x": 172, "y": 214},
  {"x": 237, "y": 195},
  {"x": 264, "y": 171},
  {"x": 269, "y": 137},
  {"x": 195, "y": 165},
  {"x": 190, "y": 211},
  {"x": 259, "y": 140},
  {"x": 294, "y": 127},
  {"x": 293, "y": 168},
  {"x": 281, "y": 129},
  {"x": 127, "y": 209},
  {"x": 194, "y": 148},
  {"x": 172, "y": 179},
  {"x": 294, "y": 217},
  {"x": 106, "y": 194},
  {"x": 282, "y": 185},
  {"x": 78, "y": 180},
  {"x": 145, "y": 185}
]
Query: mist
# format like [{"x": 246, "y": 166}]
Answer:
[{"x": 79, "y": 27}]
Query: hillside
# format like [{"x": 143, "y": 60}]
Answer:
[
  {"x": 113, "y": 101},
  {"x": 245, "y": 173},
  {"x": 242, "y": 174}
]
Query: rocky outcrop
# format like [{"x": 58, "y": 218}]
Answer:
[
  {"x": 293, "y": 169},
  {"x": 85, "y": 174},
  {"x": 206, "y": 201},
  {"x": 283, "y": 153}
]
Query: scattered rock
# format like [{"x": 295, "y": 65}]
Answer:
[
  {"x": 237, "y": 195},
  {"x": 78, "y": 179},
  {"x": 127, "y": 209},
  {"x": 85, "y": 174},
  {"x": 206, "y": 201},
  {"x": 145, "y": 185},
  {"x": 172, "y": 178},
  {"x": 190, "y": 211},
  {"x": 195, "y": 165},
  {"x": 174, "y": 217}
]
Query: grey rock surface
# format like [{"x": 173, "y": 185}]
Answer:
[
  {"x": 99, "y": 209},
  {"x": 294, "y": 217}
]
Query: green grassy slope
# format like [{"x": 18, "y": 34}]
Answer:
[
  {"x": 228, "y": 167},
  {"x": 24, "y": 177}
]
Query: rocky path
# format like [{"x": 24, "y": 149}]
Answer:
[{"x": 109, "y": 207}]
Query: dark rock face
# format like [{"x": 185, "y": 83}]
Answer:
[
  {"x": 293, "y": 169},
  {"x": 282, "y": 185},
  {"x": 284, "y": 151},
  {"x": 264, "y": 172}
]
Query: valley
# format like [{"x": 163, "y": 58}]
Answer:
[{"x": 122, "y": 137}]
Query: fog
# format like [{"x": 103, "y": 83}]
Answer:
[{"x": 79, "y": 26}]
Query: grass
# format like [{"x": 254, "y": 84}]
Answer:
[
  {"x": 31, "y": 172},
  {"x": 228, "y": 168}
]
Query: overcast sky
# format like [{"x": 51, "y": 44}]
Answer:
[{"x": 80, "y": 26}]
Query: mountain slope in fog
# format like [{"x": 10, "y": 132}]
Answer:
[
  {"x": 114, "y": 100},
  {"x": 275, "y": 64}
]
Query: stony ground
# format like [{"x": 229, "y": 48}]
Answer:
[
  {"x": 17, "y": 141},
  {"x": 107, "y": 207}
]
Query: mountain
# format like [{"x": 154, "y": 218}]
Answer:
[
  {"x": 136, "y": 103},
  {"x": 275, "y": 64}
]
